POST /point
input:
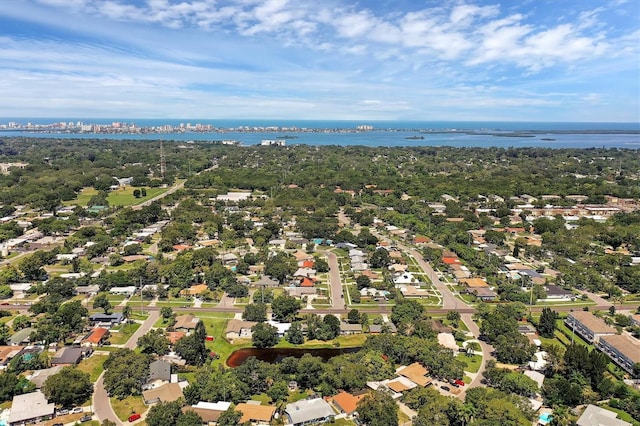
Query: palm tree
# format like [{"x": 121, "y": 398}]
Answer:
[
  {"x": 473, "y": 347},
  {"x": 126, "y": 313},
  {"x": 464, "y": 414}
]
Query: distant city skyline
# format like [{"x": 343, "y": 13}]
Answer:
[{"x": 332, "y": 60}]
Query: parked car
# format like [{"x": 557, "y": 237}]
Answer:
[
  {"x": 447, "y": 388},
  {"x": 134, "y": 417},
  {"x": 459, "y": 382},
  {"x": 62, "y": 412},
  {"x": 76, "y": 410},
  {"x": 85, "y": 418}
]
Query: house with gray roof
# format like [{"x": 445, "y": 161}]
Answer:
[
  {"x": 308, "y": 411},
  {"x": 596, "y": 416},
  {"x": 159, "y": 370}
]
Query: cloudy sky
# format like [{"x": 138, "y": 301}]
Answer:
[{"x": 537, "y": 60}]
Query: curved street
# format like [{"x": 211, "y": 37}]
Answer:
[{"x": 101, "y": 402}]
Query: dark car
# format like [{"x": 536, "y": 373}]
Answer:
[
  {"x": 85, "y": 419},
  {"x": 447, "y": 388}
]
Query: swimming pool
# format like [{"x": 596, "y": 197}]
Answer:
[{"x": 546, "y": 417}]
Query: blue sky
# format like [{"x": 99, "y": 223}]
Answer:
[{"x": 537, "y": 60}]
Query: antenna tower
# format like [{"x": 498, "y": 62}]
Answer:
[{"x": 163, "y": 163}]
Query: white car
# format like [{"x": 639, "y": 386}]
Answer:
[{"x": 77, "y": 410}]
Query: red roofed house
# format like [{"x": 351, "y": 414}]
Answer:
[
  {"x": 308, "y": 264},
  {"x": 450, "y": 260},
  {"x": 97, "y": 337},
  {"x": 307, "y": 282},
  {"x": 346, "y": 402},
  {"x": 174, "y": 336}
]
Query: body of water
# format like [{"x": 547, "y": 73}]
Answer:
[
  {"x": 275, "y": 355},
  {"x": 385, "y": 133}
]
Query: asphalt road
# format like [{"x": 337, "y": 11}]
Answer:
[{"x": 337, "y": 300}]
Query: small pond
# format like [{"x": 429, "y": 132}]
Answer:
[{"x": 275, "y": 355}]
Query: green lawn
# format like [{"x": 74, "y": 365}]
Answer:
[
  {"x": 121, "y": 336},
  {"x": 126, "y": 407},
  {"x": 472, "y": 362},
  {"x": 622, "y": 415},
  {"x": 83, "y": 198},
  {"x": 124, "y": 196},
  {"x": 93, "y": 366}
]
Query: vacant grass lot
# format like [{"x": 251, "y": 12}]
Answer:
[
  {"x": 93, "y": 366},
  {"x": 125, "y": 331},
  {"x": 126, "y": 407},
  {"x": 124, "y": 196}
]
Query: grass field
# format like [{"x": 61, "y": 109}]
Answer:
[
  {"x": 124, "y": 196},
  {"x": 83, "y": 198},
  {"x": 119, "y": 197},
  {"x": 93, "y": 366},
  {"x": 126, "y": 407},
  {"x": 473, "y": 362},
  {"x": 121, "y": 336}
]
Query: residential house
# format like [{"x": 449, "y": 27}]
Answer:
[
  {"x": 168, "y": 392},
  {"x": 69, "y": 355},
  {"x": 186, "y": 322},
  {"x": 404, "y": 278},
  {"x": 239, "y": 329},
  {"x": 159, "y": 373},
  {"x": 416, "y": 373},
  {"x": 623, "y": 349},
  {"x": 194, "y": 290},
  {"x": 7, "y": 353},
  {"x": 300, "y": 292},
  {"x": 387, "y": 327},
  {"x": 349, "y": 329},
  {"x": 597, "y": 416},
  {"x": 474, "y": 283},
  {"x": 97, "y": 337},
  {"x": 229, "y": 258},
  {"x": 126, "y": 290},
  {"x": 20, "y": 289},
  {"x": 255, "y": 413},
  {"x": 347, "y": 403},
  {"x": 307, "y": 282},
  {"x": 38, "y": 377},
  {"x": 483, "y": 293},
  {"x": 267, "y": 282},
  {"x": 88, "y": 290},
  {"x": 21, "y": 337},
  {"x": 30, "y": 408},
  {"x": 106, "y": 320},
  {"x": 588, "y": 325},
  {"x": 174, "y": 336},
  {"x": 209, "y": 412},
  {"x": 410, "y": 291},
  {"x": 555, "y": 292},
  {"x": 308, "y": 411}
]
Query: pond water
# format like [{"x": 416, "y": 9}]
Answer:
[{"x": 275, "y": 355}]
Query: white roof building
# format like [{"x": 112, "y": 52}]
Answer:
[
  {"x": 308, "y": 410},
  {"x": 30, "y": 407}
]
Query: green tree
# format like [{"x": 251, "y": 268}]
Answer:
[
  {"x": 378, "y": 409},
  {"x": 363, "y": 281},
  {"x": 547, "y": 323},
  {"x": 295, "y": 335},
  {"x": 230, "y": 418},
  {"x": 68, "y": 387},
  {"x": 192, "y": 348},
  {"x": 20, "y": 322},
  {"x": 102, "y": 302},
  {"x": 285, "y": 307},
  {"x": 280, "y": 266},
  {"x": 353, "y": 316},
  {"x": 166, "y": 313},
  {"x": 264, "y": 335},
  {"x": 126, "y": 372},
  {"x": 154, "y": 342},
  {"x": 189, "y": 418},
  {"x": 255, "y": 312},
  {"x": 164, "y": 414}
]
